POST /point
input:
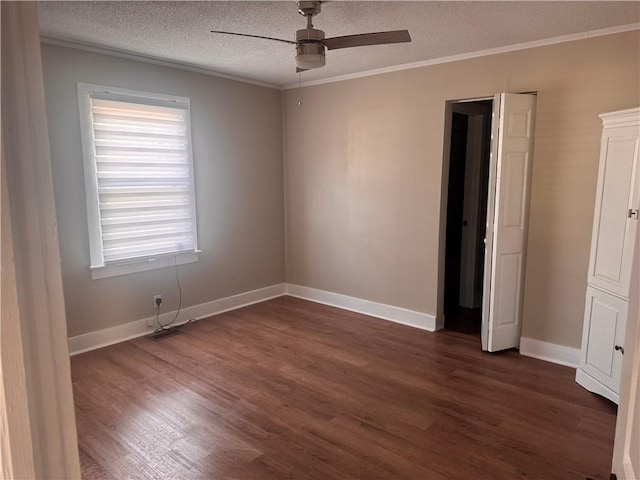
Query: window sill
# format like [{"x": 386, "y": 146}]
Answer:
[{"x": 143, "y": 265}]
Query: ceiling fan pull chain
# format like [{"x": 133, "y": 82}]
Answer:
[{"x": 299, "y": 89}]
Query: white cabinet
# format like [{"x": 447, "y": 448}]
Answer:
[
  {"x": 615, "y": 225},
  {"x": 605, "y": 321}
]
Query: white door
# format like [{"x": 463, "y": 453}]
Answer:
[
  {"x": 615, "y": 223},
  {"x": 602, "y": 343},
  {"x": 626, "y": 449},
  {"x": 507, "y": 220}
]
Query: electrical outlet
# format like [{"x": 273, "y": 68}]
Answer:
[{"x": 157, "y": 301}]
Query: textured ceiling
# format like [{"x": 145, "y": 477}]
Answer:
[{"x": 179, "y": 31}]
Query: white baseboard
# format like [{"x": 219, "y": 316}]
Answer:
[
  {"x": 550, "y": 352},
  {"x": 379, "y": 310},
  {"x": 594, "y": 386},
  {"x": 90, "y": 341},
  {"x": 138, "y": 328}
]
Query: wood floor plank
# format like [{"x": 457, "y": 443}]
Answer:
[{"x": 288, "y": 389}]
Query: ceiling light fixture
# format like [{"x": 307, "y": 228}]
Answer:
[{"x": 309, "y": 49}]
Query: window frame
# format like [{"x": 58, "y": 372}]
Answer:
[{"x": 98, "y": 267}]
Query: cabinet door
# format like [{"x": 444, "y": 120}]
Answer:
[
  {"x": 614, "y": 229},
  {"x": 604, "y": 328}
]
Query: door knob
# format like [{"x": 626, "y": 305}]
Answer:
[
  {"x": 632, "y": 213},
  {"x": 619, "y": 348}
]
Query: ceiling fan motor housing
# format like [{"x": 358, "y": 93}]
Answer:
[{"x": 310, "y": 50}]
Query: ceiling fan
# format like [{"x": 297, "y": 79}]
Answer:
[{"x": 310, "y": 42}]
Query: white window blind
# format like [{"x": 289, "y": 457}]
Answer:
[{"x": 143, "y": 191}]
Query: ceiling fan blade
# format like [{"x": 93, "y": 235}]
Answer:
[
  {"x": 364, "y": 39},
  {"x": 298, "y": 69},
  {"x": 255, "y": 36}
]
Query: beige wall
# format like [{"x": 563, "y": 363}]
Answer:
[
  {"x": 363, "y": 163},
  {"x": 237, "y": 145},
  {"x": 363, "y": 170}
]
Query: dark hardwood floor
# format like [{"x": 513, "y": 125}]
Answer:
[{"x": 292, "y": 389}]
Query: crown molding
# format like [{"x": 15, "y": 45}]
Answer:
[
  {"x": 65, "y": 42},
  {"x": 89, "y": 47},
  {"x": 466, "y": 56}
]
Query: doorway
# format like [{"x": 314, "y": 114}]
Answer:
[{"x": 470, "y": 132}]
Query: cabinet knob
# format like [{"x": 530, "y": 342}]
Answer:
[{"x": 619, "y": 348}]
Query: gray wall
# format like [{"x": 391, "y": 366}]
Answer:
[{"x": 237, "y": 148}]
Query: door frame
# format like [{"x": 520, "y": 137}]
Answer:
[
  {"x": 39, "y": 438},
  {"x": 626, "y": 461},
  {"x": 444, "y": 191}
]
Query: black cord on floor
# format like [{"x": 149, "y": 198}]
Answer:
[{"x": 169, "y": 326}]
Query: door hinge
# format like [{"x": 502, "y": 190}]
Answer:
[{"x": 633, "y": 213}]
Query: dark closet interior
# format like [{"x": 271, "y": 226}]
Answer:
[{"x": 466, "y": 215}]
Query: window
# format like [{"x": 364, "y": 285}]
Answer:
[{"x": 139, "y": 179}]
